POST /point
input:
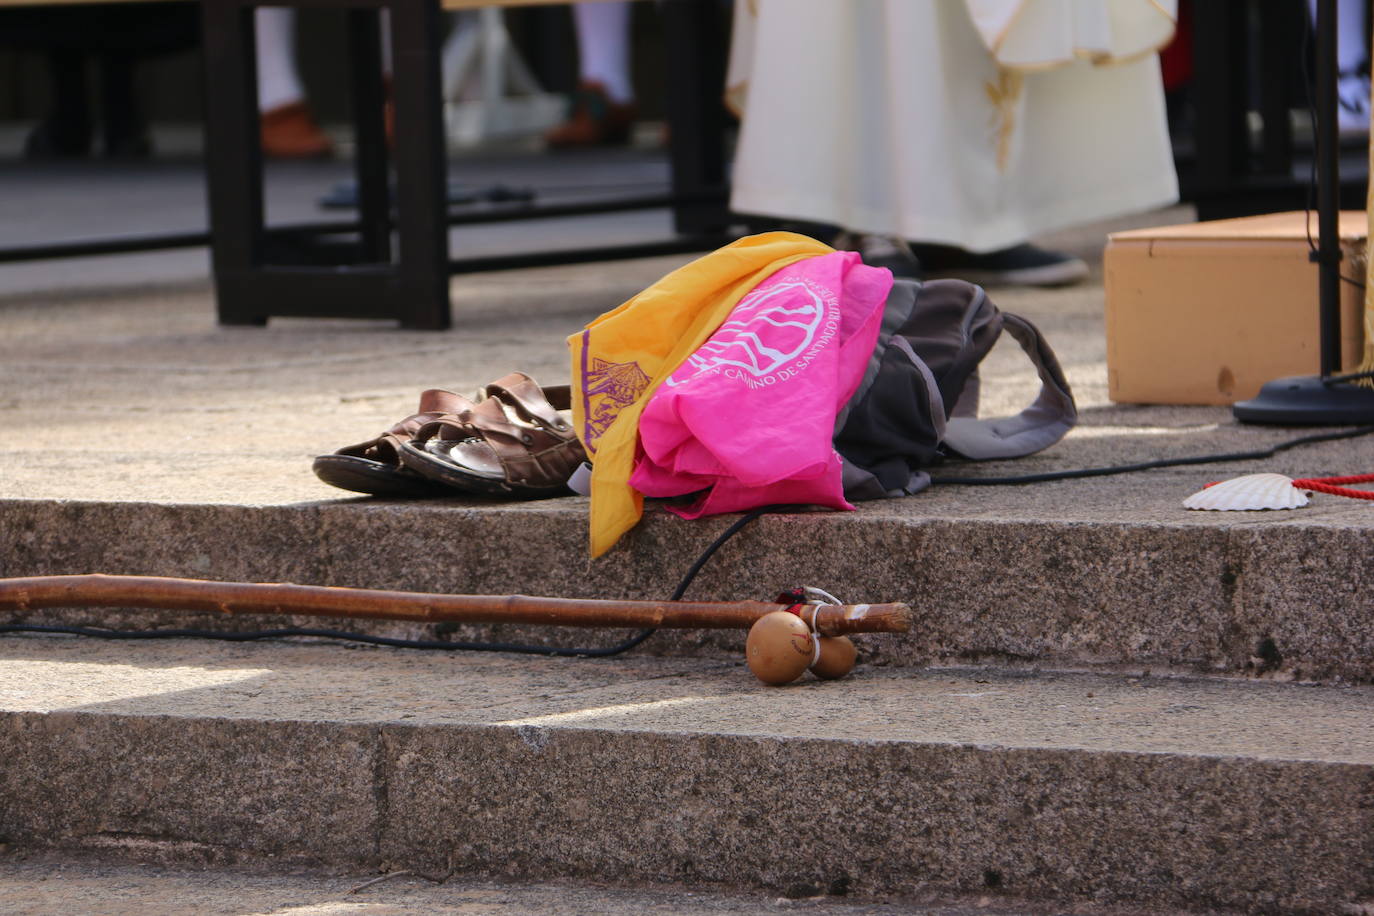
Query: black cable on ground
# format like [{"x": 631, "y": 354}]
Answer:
[
  {"x": 554, "y": 651},
  {"x": 1161, "y": 463}
]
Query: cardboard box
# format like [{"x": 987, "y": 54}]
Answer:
[{"x": 1206, "y": 313}]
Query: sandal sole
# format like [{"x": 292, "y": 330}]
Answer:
[
  {"x": 432, "y": 467},
  {"x": 362, "y": 475}
]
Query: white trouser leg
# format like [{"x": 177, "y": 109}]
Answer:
[
  {"x": 603, "y": 46},
  {"x": 278, "y": 82}
]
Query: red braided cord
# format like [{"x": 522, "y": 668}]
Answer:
[
  {"x": 1355, "y": 478},
  {"x": 1328, "y": 485}
]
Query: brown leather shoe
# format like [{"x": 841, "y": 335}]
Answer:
[
  {"x": 375, "y": 466},
  {"x": 595, "y": 120},
  {"x": 518, "y": 442},
  {"x": 290, "y": 132}
]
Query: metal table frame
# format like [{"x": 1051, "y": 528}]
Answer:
[{"x": 297, "y": 271}]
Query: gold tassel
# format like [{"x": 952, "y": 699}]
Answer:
[{"x": 1003, "y": 96}]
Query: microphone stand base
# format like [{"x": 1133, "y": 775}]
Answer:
[{"x": 1307, "y": 400}]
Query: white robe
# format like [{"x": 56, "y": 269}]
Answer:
[{"x": 893, "y": 117}]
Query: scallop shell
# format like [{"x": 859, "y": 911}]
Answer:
[{"x": 1253, "y": 491}]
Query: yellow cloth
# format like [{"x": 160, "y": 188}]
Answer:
[{"x": 620, "y": 359}]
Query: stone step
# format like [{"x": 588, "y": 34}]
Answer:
[
  {"x": 1053, "y": 577},
  {"x": 1064, "y": 787}
]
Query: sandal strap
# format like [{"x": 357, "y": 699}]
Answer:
[
  {"x": 531, "y": 453},
  {"x": 533, "y": 403},
  {"x": 434, "y": 403},
  {"x": 532, "y": 456},
  {"x": 489, "y": 425},
  {"x": 440, "y": 401},
  {"x": 467, "y": 424}
]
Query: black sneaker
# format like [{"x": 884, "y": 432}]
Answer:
[
  {"x": 1019, "y": 265},
  {"x": 882, "y": 251}
]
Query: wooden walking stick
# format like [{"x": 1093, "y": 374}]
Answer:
[{"x": 325, "y": 601}]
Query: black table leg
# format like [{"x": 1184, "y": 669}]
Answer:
[
  {"x": 261, "y": 272},
  {"x": 1282, "y": 29},
  {"x": 369, "y": 124},
  {"x": 421, "y": 173},
  {"x": 233, "y": 156},
  {"x": 696, "y": 114}
]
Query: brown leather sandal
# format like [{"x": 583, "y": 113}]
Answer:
[
  {"x": 515, "y": 442},
  {"x": 375, "y": 467}
]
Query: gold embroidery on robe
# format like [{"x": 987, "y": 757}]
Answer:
[{"x": 1004, "y": 95}]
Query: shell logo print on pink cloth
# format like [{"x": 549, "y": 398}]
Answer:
[
  {"x": 747, "y": 419},
  {"x": 770, "y": 327}
]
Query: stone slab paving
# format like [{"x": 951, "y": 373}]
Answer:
[
  {"x": 159, "y": 404},
  {"x": 362, "y": 685},
  {"x": 1070, "y": 787},
  {"x": 37, "y": 884}
]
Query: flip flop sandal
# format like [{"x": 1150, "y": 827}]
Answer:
[
  {"x": 516, "y": 442},
  {"x": 374, "y": 466}
]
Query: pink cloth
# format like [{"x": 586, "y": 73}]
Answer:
[{"x": 750, "y": 415}]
